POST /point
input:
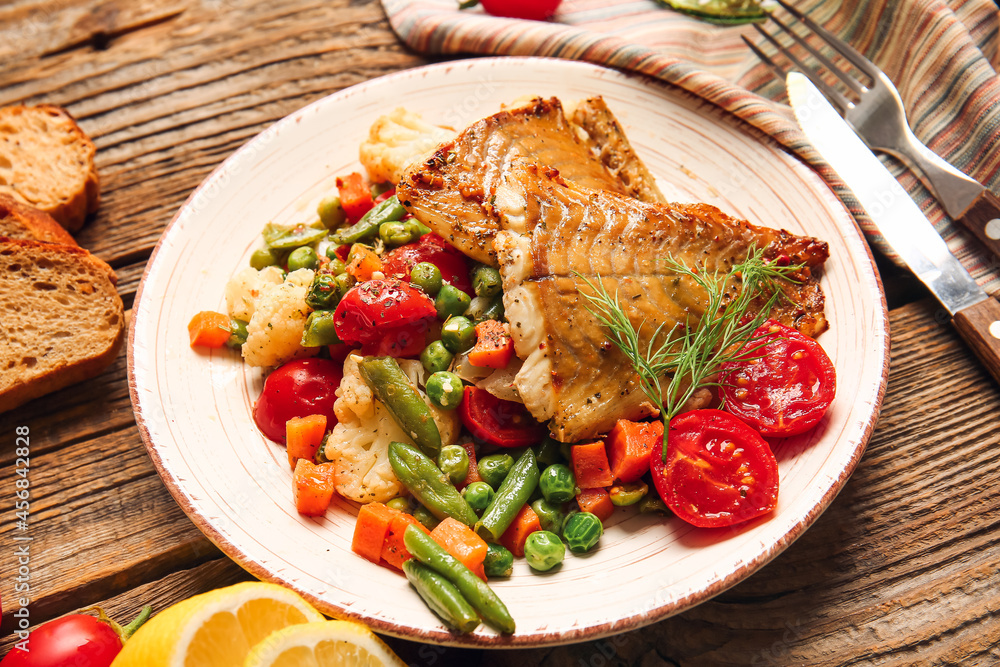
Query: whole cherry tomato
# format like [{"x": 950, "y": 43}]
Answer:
[
  {"x": 386, "y": 317},
  {"x": 535, "y": 10},
  {"x": 498, "y": 422},
  {"x": 398, "y": 262},
  {"x": 784, "y": 383},
  {"x": 718, "y": 471},
  {"x": 77, "y": 639},
  {"x": 297, "y": 389}
]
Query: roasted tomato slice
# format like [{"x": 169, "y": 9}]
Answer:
[
  {"x": 718, "y": 472},
  {"x": 784, "y": 383},
  {"x": 386, "y": 317},
  {"x": 297, "y": 389},
  {"x": 430, "y": 248},
  {"x": 498, "y": 422}
]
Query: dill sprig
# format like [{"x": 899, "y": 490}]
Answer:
[{"x": 690, "y": 354}]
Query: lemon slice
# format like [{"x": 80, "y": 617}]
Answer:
[
  {"x": 215, "y": 629},
  {"x": 326, "y": 644}
]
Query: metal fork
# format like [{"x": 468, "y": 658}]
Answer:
[{"x": 879, "y": 119}]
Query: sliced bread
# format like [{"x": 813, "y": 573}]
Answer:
[
  {"x": 46, "y": 161},
  {"x": 61, "y": 319},
  {"x": 19, "y": 221}
]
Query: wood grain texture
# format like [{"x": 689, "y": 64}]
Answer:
[
  {"x": 979, "y": 325},
  {"x": 982, "y": 218}
]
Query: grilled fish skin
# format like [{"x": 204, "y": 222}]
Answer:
[
  {"x": 551, "y": 230},
  {"x": 453, "y": 192}
]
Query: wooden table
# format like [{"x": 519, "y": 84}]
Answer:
[{"x": 902, "y": 569}]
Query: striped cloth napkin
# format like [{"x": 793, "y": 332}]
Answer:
[{"x": 941, "y": 55}]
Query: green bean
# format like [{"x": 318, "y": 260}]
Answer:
[
  {"x": 238, "y": 335},
  {"x": 419, "y": 228},
  {"x": 319, "y": 330},
  {"x": 428, "y": 484},
  {"x": 547, "y": 452},
  {"x": 441, "y": 596},
  {"x": 264, "y": 257},
  {"x": 331, "y": 212},
  {"x": 454, "y": 462},
  {"x": 302, "y": 258},
  {"x": 495, "y": 468},
  {"x": 486, "y": 281},
  {"x": 288, "y": 238},
  {"x": 510, "y": 497},
  {"x": 427, "y": 277},
  {"x": 544, "y": 550},
  {"x": 394, "y": 233},
  {"x": 451, "y": 301},
  {"x": 436, "y": 357},
  {"x": 479, "y": 495},
  {"x": 321, "y": 456},
  {"x": 550, "y": 516},
  {"x": 391, "y": 386},
  {"x": 458, "y": 334},
  {"x": 424, "y": 516},
  {"x": 499, "y": 561},
  {"x": 367, "y": 226},
  {"x": 623, "y": 495},
  {"x": 445, "y": 390},
  {"x": 473, "y": 589}
]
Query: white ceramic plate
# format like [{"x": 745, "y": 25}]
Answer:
[{"x": 194, "y": 407}]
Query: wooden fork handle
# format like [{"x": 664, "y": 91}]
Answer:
[
  {"x": 979, "y": 325},
  {"x": 982, "y": 218}
]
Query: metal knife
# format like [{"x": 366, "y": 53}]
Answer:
[{"x": 974, "y": 314}]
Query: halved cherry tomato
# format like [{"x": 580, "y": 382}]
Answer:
[
  {"x": 498, "y": 422},
  {"x": 297, "y": 389},
  {"x": 784, "y": 384},
  {"x": 718, "y": 472},
  {"x": 434, "y": 249},
  {"x": 387, "y": 317}
]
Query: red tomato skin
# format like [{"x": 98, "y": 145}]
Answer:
[
  {"x": 496, "y": 421},
  {"x": 698, "y": 445},
  {"x": 398, "y": 262},
  {"x": 776, "y": 393},
  {"x": 77, "y": 639},
  {"x": 297, "y": 389},
  {"x": 387, "y": 317},
  {"x": 535, "y": 10}
]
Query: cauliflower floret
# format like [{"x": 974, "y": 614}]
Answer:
[
  {"x": 397, "y": 140},
  {"x": 359, "y": 443},
  {"x": 279, "y": 318},
  {"x": 243, "y": 289}
]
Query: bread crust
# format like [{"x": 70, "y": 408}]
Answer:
[
  {"x": 19, "y": 220},
  {"x": 70, "y": 203},
  {"x": 15, "y": 391}
]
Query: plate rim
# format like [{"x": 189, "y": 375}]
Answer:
[{"x": 590, "y": 632}]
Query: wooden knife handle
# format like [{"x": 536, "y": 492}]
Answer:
[
  {"x": 982, "y": 218},
  {"x": 979, "y": 325}
]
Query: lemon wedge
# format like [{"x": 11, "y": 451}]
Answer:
[
  {"x": 326, "y": 644},
  {"x": 215, "y": 629}
]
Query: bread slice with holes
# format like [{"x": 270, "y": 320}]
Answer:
[
  {"x": 18, "y": 221},
  {"x": 61, "y": 319},
  {"x": 47, "y": 161}
]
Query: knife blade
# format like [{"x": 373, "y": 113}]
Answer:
[{"x": 975, "y": 315}]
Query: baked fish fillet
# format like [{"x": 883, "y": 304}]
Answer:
[
  {"x": 453, "y": 191},
  {"x": 550, "y": 230}
]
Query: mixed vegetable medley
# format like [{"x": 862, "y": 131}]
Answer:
[{"x": 392, "y": 388}]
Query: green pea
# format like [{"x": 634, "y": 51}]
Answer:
[
  {"x": 558, "y": 483},
  {"x": 550, "y": 516},
  {"x": 436, "y": 357},
  {"x": 427, "y": 277},
  {"x": 451, "y": 301},
  {"x": 544, "y": 550},
  {"x": 331, "y": 251},
  {"x": 454, "y": 462},
  {"x": 652, "y": 504},
  {"x": 264, "y": 257},
  {"x": 302, "y": 258},
  {"x": 324, "y": 292},
  {"x": 401, "y": 503},
  {"x": 345, "y": 281},
  {"x": 331, "y": 212},
  {"x": 494, "y": 311},
  {"x": 445, "y": 390},
  {"x": 582, "y": 531},
  {"x": 486, "y": 281},
  {"x": 499, "y": 561},
  {"x": 479, "y": 495},
  {"x": 495, "y": 468},
  {"x": 238, "y": 335},
  {"x": 424, "y": 516},
  {"x": 548, "y": 451},
  {"x": 623, "y": 495},
  {"x": 320, "y": 329},
  {"x": 395, "y": 234},
  {"x": 458, "y": 334},
  {"x": 336, "y": 265}
]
